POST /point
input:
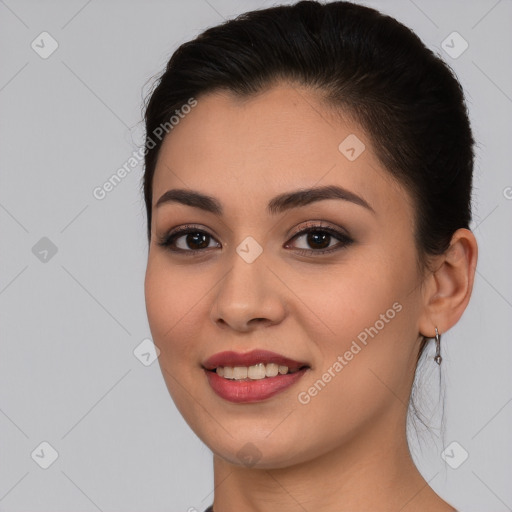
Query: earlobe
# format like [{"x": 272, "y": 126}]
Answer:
[{"x": 450, "y": 285}]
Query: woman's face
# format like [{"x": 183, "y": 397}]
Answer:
[{"x": 348, "y": 317}]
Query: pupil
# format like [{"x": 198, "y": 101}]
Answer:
[
  {"x": 198, "y": 240},
  {"x": 314, "y": 238}
]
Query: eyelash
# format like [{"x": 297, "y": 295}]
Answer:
[{"x": 168, "y": 239}]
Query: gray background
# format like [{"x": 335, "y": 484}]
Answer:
[{"x": 70, "y": 322}]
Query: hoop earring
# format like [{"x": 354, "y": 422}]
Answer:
[{"x": 437, "y": 357}]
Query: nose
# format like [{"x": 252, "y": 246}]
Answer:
[{"x": 250, "y": 296}]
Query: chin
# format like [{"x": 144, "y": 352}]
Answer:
[
  {"x": 251, "y": 457},
  {"x": 258, "y": 452}
]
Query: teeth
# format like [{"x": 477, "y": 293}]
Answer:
[
  {"x": 256, "y": 372},
  {"x": 271, "y": 370},
  {"x": 240, "y": 372}
]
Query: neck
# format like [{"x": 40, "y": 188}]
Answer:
[{"x": 374, "y": 471}]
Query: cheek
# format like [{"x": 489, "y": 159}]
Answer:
[
  {"x": 173, "y": 300},
  {"x": 342, "y": 302},
  {"x": 366, "y": 313},
  {"x": 364, "y": 368}
]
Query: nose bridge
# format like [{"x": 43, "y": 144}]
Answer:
[{"x": 249, "y": 290}]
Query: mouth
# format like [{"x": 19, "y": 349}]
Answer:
[
  {"x": 251, "y": 377},
  {"x": 254, "y": 365},
  {"x": 254, "y": 372}
]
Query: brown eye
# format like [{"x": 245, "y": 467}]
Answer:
[
  {"x": 187, "y": 241},
  {"x": 195, "y": 240},
  {"x": 319, "y": 240}
]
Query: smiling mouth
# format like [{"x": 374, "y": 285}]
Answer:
[
  {"x": 254, "y": 376},
  {"x": 255, "y": 372}
]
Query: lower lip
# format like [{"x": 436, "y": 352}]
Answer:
[{"x": 250, "y": 391}]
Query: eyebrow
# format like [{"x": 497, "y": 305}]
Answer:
[{"x": 278, "y": 204}]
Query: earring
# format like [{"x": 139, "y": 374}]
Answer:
[{"x": 437, "y": 357}]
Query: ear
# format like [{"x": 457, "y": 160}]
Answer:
[{"x": 448, "y": 288}]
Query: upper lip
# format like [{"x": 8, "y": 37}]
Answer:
[{"x": 232, "y": 359}]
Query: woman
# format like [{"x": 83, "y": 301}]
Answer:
[{"x": 308, "y": 187}]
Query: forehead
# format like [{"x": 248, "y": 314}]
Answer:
[{"x": 282, "y": 139}]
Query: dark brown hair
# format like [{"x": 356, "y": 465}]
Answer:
[{"x": 365, "y": 63}]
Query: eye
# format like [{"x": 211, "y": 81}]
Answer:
[
  {"x": 191, "y": 241},
  {"x": 320, "y": 237},
  {"x": 194, "y": 241}
]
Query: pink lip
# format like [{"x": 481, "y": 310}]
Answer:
[
  {"x": 250, "y": 391},
  {"x": 231, "y": 358}
]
